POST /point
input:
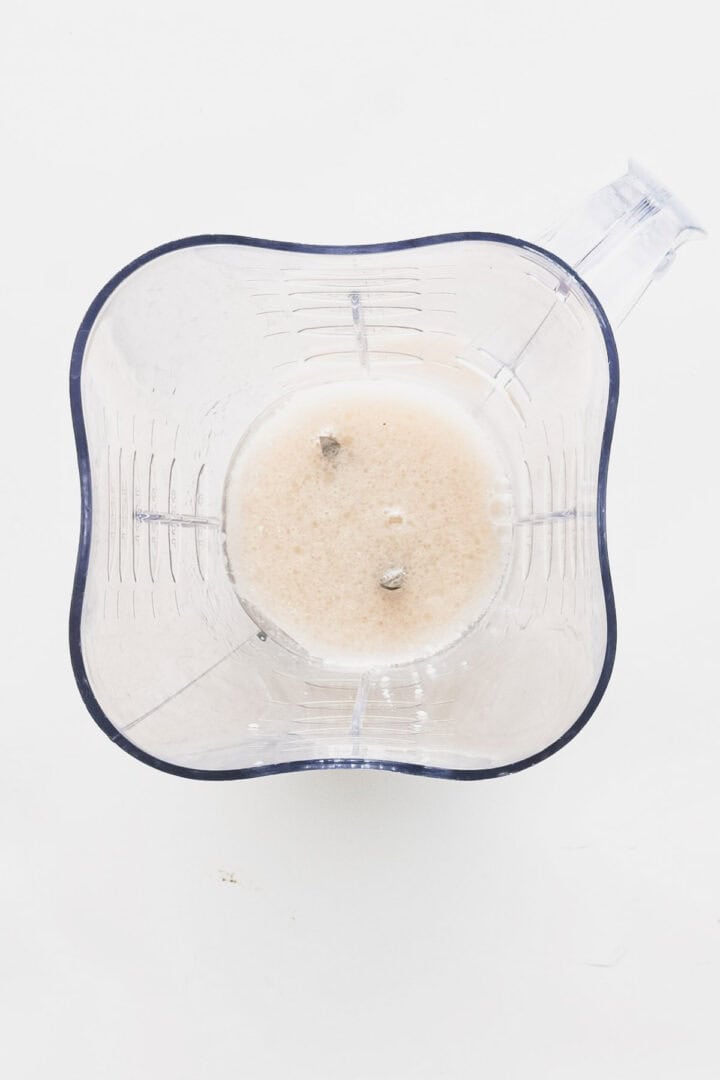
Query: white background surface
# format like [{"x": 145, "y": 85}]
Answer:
[{"x": 564, "y": 922}]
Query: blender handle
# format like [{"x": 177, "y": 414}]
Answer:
[{"x": 623, "y": 238}]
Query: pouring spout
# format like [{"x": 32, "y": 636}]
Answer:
[{"x": 623, "y": 238}]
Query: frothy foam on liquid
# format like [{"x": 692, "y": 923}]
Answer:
[{"x": 343, "y": 487}]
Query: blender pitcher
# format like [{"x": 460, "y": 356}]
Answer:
[{"x": 187, "y": 346}]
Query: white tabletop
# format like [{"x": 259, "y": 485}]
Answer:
[{"x": 564, "y": 922}]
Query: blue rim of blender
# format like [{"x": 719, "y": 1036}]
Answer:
[{"x": 81, "y": 569}]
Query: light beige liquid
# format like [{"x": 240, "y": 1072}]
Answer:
[{"x": 309, "y": 535}]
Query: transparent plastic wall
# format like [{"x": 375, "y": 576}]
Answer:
[{"x": 174, "y": 364}]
